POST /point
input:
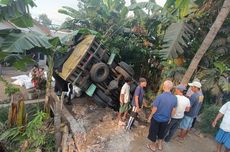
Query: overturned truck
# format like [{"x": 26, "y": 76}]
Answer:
[{"x": 89, "y": 66}]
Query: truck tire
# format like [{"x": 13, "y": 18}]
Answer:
[
  {"x": 122, "y": 72},
  {"x": 105, "y": 98},
  {"x": 126, "y": 67},
  {"x": 99, "y": 72},
  {"x": 99, "y": 102}
]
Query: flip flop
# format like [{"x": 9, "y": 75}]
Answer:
[
  {"x": 150, "y": 148},
  {"x": 178, "y": 139}
]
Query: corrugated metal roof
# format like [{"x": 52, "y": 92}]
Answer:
[{"x": 37, "y": 27}]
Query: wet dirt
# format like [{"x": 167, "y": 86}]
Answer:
[{"x": 104, "y": 135}]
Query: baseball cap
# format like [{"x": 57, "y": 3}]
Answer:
[
  {"x": 181, "y": 87},
  {"x": 195, "y": 84}
]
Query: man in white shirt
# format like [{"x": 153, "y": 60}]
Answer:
[
  {"x": 183, "y": 104},
  {"x": 223, "y": 135},
  {"x": 124, "y": 101}
]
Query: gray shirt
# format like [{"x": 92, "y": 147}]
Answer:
[{"x": 196, "y": 101}]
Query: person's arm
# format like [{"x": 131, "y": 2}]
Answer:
[
  {"x": 187, "y": 109},
  {"x": 220, "y": 115},
  {"x": 122, "y": 97},
  {"x": 154, "y": 108},
  {"x": 173, "y": 111},
  {"x": 222, "y": 111},
  {"x": 136, "y": 99},
  {"x": 153, "y": 111}
]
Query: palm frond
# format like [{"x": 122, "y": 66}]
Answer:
[{"x": 176, "y": 37}]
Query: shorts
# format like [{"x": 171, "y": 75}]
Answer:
[
  {"x": 124, "y": 107},
  {"x": 223, "y": 137},
  {"x": 186, "y": 122}
]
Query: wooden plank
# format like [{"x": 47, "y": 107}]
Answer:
[
  {"x": 26, "y": 102},
  {"x": 64, "y": 139},
  {"x": 71, "y": 63},
  {"x": 76, "y": 128}
]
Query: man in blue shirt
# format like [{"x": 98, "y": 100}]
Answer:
[
  {"x": 196, "y": 101},
  {"x": 137, "y": 101},
  {"x": 163, "y": 108}
]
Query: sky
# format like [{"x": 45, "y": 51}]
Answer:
[{"x": 50, "y": 8}]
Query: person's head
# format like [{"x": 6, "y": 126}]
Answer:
[
  {"x": 142, "y": 82},
  {"x": 167, "y": 86},
  {"x": 128, "y": 80},
  {"x": 195, "y": 86},
  {"x": 179, "y": 90}
]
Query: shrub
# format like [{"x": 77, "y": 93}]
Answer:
[{"x": 208, "y": 115}]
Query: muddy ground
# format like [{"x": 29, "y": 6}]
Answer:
[{"x": 104, "y": 134}]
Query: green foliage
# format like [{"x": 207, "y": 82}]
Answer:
[
  {"x": 18, "y": 42},
  {"x": 176, "y": 38},
  {"x": 34, "y": 133},
  {"x": 208, "y": 115},
  {"x": 44, "y": 20},
  {"x": 10, "y": 89},
  {"x": 17, "y": 12},
  {"x": 180, "y": 8}
]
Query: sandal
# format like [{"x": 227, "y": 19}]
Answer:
[{"x": 151, "y": 148}]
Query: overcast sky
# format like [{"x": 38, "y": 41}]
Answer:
[{"x": 50, "y": 7}]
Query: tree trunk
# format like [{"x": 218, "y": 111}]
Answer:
[
  {"x": 207, "y": 41},
  {"x": 48, "y": 83}
]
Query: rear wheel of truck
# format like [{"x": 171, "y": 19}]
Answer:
[
  {"x": 106, "y": 98},
  {"x": 99, "y": 72},
  {"x": 126, "y": 67},
  {"x": 99, "y": 102},
  {"x": 122, "y": 72}
]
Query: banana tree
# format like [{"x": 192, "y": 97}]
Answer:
[
  {"x": 17, "y": 12},
  {"x": 97, "y": 15}
]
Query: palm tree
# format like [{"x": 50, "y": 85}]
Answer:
[{"x": 207, "y": 41}]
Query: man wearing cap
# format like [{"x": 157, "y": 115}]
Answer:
[
  {"x": 196, "y": 101},
  {"x": 137, "y": 101},
  {"x": 183, "y": 104}
]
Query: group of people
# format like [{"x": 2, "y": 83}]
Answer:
[{"x": 171, "y": 110}]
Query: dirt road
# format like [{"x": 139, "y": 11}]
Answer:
[{"x": 104, "y": 135}]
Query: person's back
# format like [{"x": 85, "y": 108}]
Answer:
[
  {"x": 182, "y": 103},
  {"x": 165, "y": 103},
  {"x": 196, "y": 101}
]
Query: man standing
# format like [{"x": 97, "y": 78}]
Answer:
[
  {"x": 183, "y": 104},
  {"x": 137, "y": 101},
  {"x": 163, "y": 108},
  {"x": 196, "y": 101},
  {"x": 223, "y": 135},
  {"x": 124, "y": 101}
]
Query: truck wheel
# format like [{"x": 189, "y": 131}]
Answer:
[
  {"x": 99, "y": 72},
  {"x": 126, "y": 67},
  {"x": 99, "y": 102},
  {"x": 122, "y": 72},
  {"x": 106, "y": 99}
]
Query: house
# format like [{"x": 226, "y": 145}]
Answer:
[{"x": 37, "y": 27}]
